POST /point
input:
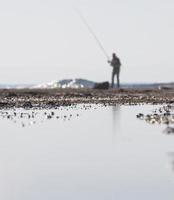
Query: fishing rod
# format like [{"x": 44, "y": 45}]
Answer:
[{"x": 92, "y": 33}]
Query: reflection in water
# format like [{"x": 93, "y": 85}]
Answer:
[
  {"x": 76, "y": 160},
  {"x": 171, "y": 155},
  {"x": 116, "y": 110}
]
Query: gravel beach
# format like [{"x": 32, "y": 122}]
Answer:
[{"x": 52, "y": 98}]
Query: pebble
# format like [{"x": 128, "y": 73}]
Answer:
[
  {"x": 28, "y": 117},
  {"x": 163, "y": 115}
]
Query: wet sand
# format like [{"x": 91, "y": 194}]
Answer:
[{"x": 52, "y": 98}]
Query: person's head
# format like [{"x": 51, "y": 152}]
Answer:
[{"x": 114, "y": 55}]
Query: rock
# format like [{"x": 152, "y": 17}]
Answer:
[
  {"x": 3, "y": 104},
  {"x": 102, "y": 86},
  {"x": 169, "y": 130},
  {"x": 140, "y": 116},
  {"x": 27, "y": 104}
]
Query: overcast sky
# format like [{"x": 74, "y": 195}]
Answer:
[{"x": 45, "y": 40}]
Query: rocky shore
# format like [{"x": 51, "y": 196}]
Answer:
[
  {"x": 163, "y": 115},
  {"x": 52, "y": 98}
]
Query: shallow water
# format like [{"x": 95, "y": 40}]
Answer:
[{"x": 94, "y": 153}]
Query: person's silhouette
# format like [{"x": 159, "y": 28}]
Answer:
[{"x": 115, "y": 63}]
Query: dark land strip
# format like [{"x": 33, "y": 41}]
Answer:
[{"x": 52, "y": 98}]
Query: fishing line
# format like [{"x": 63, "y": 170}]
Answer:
[{"x": 92, "y": 33}]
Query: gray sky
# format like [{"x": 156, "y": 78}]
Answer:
[{"x": 45, "y": 40}]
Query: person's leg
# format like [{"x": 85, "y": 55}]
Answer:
[
  {"x": 118, "y": 80},
  {"x": 112, "y": 84}
]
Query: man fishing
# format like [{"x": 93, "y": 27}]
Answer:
[{"x": 115, "y": 63}]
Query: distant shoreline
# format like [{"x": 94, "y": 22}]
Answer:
[
  {"x": 53, "y": 98},
  {"x": 84, "y": 83}
]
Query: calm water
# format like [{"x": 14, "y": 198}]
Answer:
[{"x": 101, "y": 153}]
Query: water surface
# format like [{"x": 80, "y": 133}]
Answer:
[{"x": 97, "y": 153}]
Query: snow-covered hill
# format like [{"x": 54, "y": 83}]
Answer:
[{"x": 67, "y": 83}]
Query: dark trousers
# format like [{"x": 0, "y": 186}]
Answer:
[{"x": 118, "y": 79}]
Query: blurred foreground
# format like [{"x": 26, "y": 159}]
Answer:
[{"x": 52, "y": 98}]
